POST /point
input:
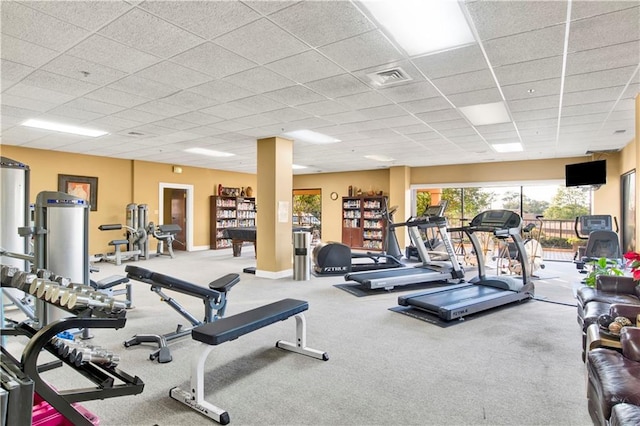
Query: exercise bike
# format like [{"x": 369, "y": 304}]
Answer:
[
  {"x": 507, "y": 259},
  {"x": 333, "y": 258}
]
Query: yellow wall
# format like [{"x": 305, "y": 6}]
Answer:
[{"x": 121, "y": 182}]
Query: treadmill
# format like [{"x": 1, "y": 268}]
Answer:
[
  {"x": 427, "y": 271},
  {"x": 482, "y": 292}
]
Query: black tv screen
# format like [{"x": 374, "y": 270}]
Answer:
[{"x": 585, "y": 174}]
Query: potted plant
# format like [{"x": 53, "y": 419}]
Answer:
[{"x": 602, "y": 266}]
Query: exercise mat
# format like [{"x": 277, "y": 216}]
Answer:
[{"x": 359, "y": 291}]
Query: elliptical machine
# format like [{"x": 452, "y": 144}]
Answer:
[{"x": 333, "y": 258}]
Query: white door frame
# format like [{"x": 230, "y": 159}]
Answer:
[{"x": 189, "y": 188}]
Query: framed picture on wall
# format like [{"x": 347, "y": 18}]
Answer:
[{"x": 85, "y": 187}]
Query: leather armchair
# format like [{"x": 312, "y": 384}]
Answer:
[{"x": 614, "y": 378}]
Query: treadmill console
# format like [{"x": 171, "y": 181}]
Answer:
[{"x": 497, "y": 220}]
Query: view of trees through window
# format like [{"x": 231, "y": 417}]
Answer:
[
  {"x": 307, "y": 209},
  {"x": 558, "y": 205}
]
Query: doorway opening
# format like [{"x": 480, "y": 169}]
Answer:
[
  {"x": 307, "y": 211},
  {"x": 176, "y": 207}
]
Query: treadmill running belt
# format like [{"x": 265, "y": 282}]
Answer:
[
  {"x": 396, "y": 277},
  {"x": 433, "y": 302}
]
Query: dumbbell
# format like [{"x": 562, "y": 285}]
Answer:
[
  {"x": 44, "y": 273},
  {"x": 98, "y": 357},
  {"x": 79, "y": 301},
  {"x": 43, "y": 287},
  {"x": 6, "y": 273},
  {"x": 22, "y": 280}
]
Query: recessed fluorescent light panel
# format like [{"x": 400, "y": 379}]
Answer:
[
  {"x": 423, "y": 26},
  {"x": 297, "y": 167},
  {"x": 483, "y": 114},
  {"x": 376, "y": 157},
  {"x": 209, "y": 152},
  {"x": 310, "y": 136},
  {"x": 64, "y": 128},
  {"x": 507, "y": 147}
]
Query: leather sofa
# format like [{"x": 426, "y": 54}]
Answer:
[
  {"x": 595, "y": 301},
  {"x": 613, "y": 387}
]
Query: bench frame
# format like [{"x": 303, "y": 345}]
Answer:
[{"x": 195, "y": 398}]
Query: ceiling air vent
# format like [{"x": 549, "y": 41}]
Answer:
[
  {"x": 135, "y": 134},
  {"x": 389, "y": 77}
]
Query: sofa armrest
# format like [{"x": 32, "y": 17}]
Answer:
[
  {"x": 616, "y": 284},
  {"x": 625, "y": 310},
  {"x": 630, "y": 342}
]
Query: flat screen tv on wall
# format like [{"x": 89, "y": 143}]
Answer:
[{"x": 586, "y": 174}]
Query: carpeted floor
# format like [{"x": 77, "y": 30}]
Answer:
[{"x": 517, "y": 365}]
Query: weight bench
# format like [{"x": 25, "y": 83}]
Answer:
[
  {"x": 106, "y": 286},
  {"x": 214, "y": 298},
  {"x": 230, "y": 328},
  {"x": 118, "y": 255}
]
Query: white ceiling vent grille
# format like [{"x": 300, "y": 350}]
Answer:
[{"x": 389, "y": 77}]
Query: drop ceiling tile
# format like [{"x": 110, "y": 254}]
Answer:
[
  {"x": 189, "y": 100},
  {"x": 295, "y": 95},
  {"x": 199, "y": 118},
  {"x": 495, "y": 128},
  {"x": 113, "y": 124},
  {"x": 257, "y": 104},
  {"x": 540, "y": 102},
  {"x": 588, "y": 96},
  {"x": 12, "y": 72},
  {"x": 208, "y": 19},
  {"x": 541, "y": 88},
  {"x": 586, "y": 9},
  {"x": 90, "y": 15},
  {"x": 257, "y": 120},
  {"x": 583, "y": 119},
  {"x": 287, "y": 114},
  {"x": 78, "y": 114},
  {"x": 54, "y": 141},
  {"x": 324, "y": 108},
  {"x": 143, "y": 31},
  {"x": 538, "y": 114},
  {"x": 524, "y": 72},
  {"x": 364, "y": 100},
  {"x": 338, "y": 21},
  {"x": 305, "y": 67},
  {"x": 268, "y": 7},
  {"x": 173, "y": 123},
  {"x": 596, "y": 32},
  {"x": 116, "y": 97},
  {"x": 537, "y": 124},
  {"x": 499, "y": 19},
  {"x": 362, "y": 51},
  {"x": 38, "y": 28},
  {"x": 231, "y": 126},
  {"x": 110, "y": 53},
  {"x": 616, "y": 56},
  {"x": 23, "y": 52},
  {"x": 259, "y": 80},
  {"x": 58, "y": 83},
  {"x": 538, "y": 44},
  {"x": 409, "y": 92},
  {"x": 174, "y": 75},
  {"x": 598, "y": 79},
  {"x": 337, "y": 86},
  {"x": 413, "y": 129},
  {"x": 161, "y": 108},
  {"x": 213, "y": 60},
  {"x": 401, "y": 121},
  {"x": 27, "y": 103},
  {"x": 93, "y": 105},
  {"x": 425, "y": 136},
  {"x": 458, "y": 131},
  {"x": 380, "y": 112},
  {"x": 19, "y": 135},
  {"x": 443, "y": 126},
  {"x": 81, "y": 69},
  {"x": 261, "y": 41},
  {"x": 346, "y": 117},
  {"x": 476, "y": 97},
  {"x": 455, "y": 61},
  {"x": 227, "y": 111},
  {"x": 475, "y": 80},
  {"x": 501, "y": 137},
  {"x": 138, "y": 116},
  {"x": 206, "y": 131},
  {"x": 592, "y": 108},
  {"x": 425, "y": 105},
  {"x": 143, "y": 87}
]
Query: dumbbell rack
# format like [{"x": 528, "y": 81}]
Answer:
[{"x": 109, "y": 380}]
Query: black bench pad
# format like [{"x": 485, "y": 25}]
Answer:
[
  {"x": 229, "y": 328},
  {"x": 109, "y": 282},
  {"x": 175, "y": 284}
]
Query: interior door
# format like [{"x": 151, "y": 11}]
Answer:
[{"x": 177, "y": 214}]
